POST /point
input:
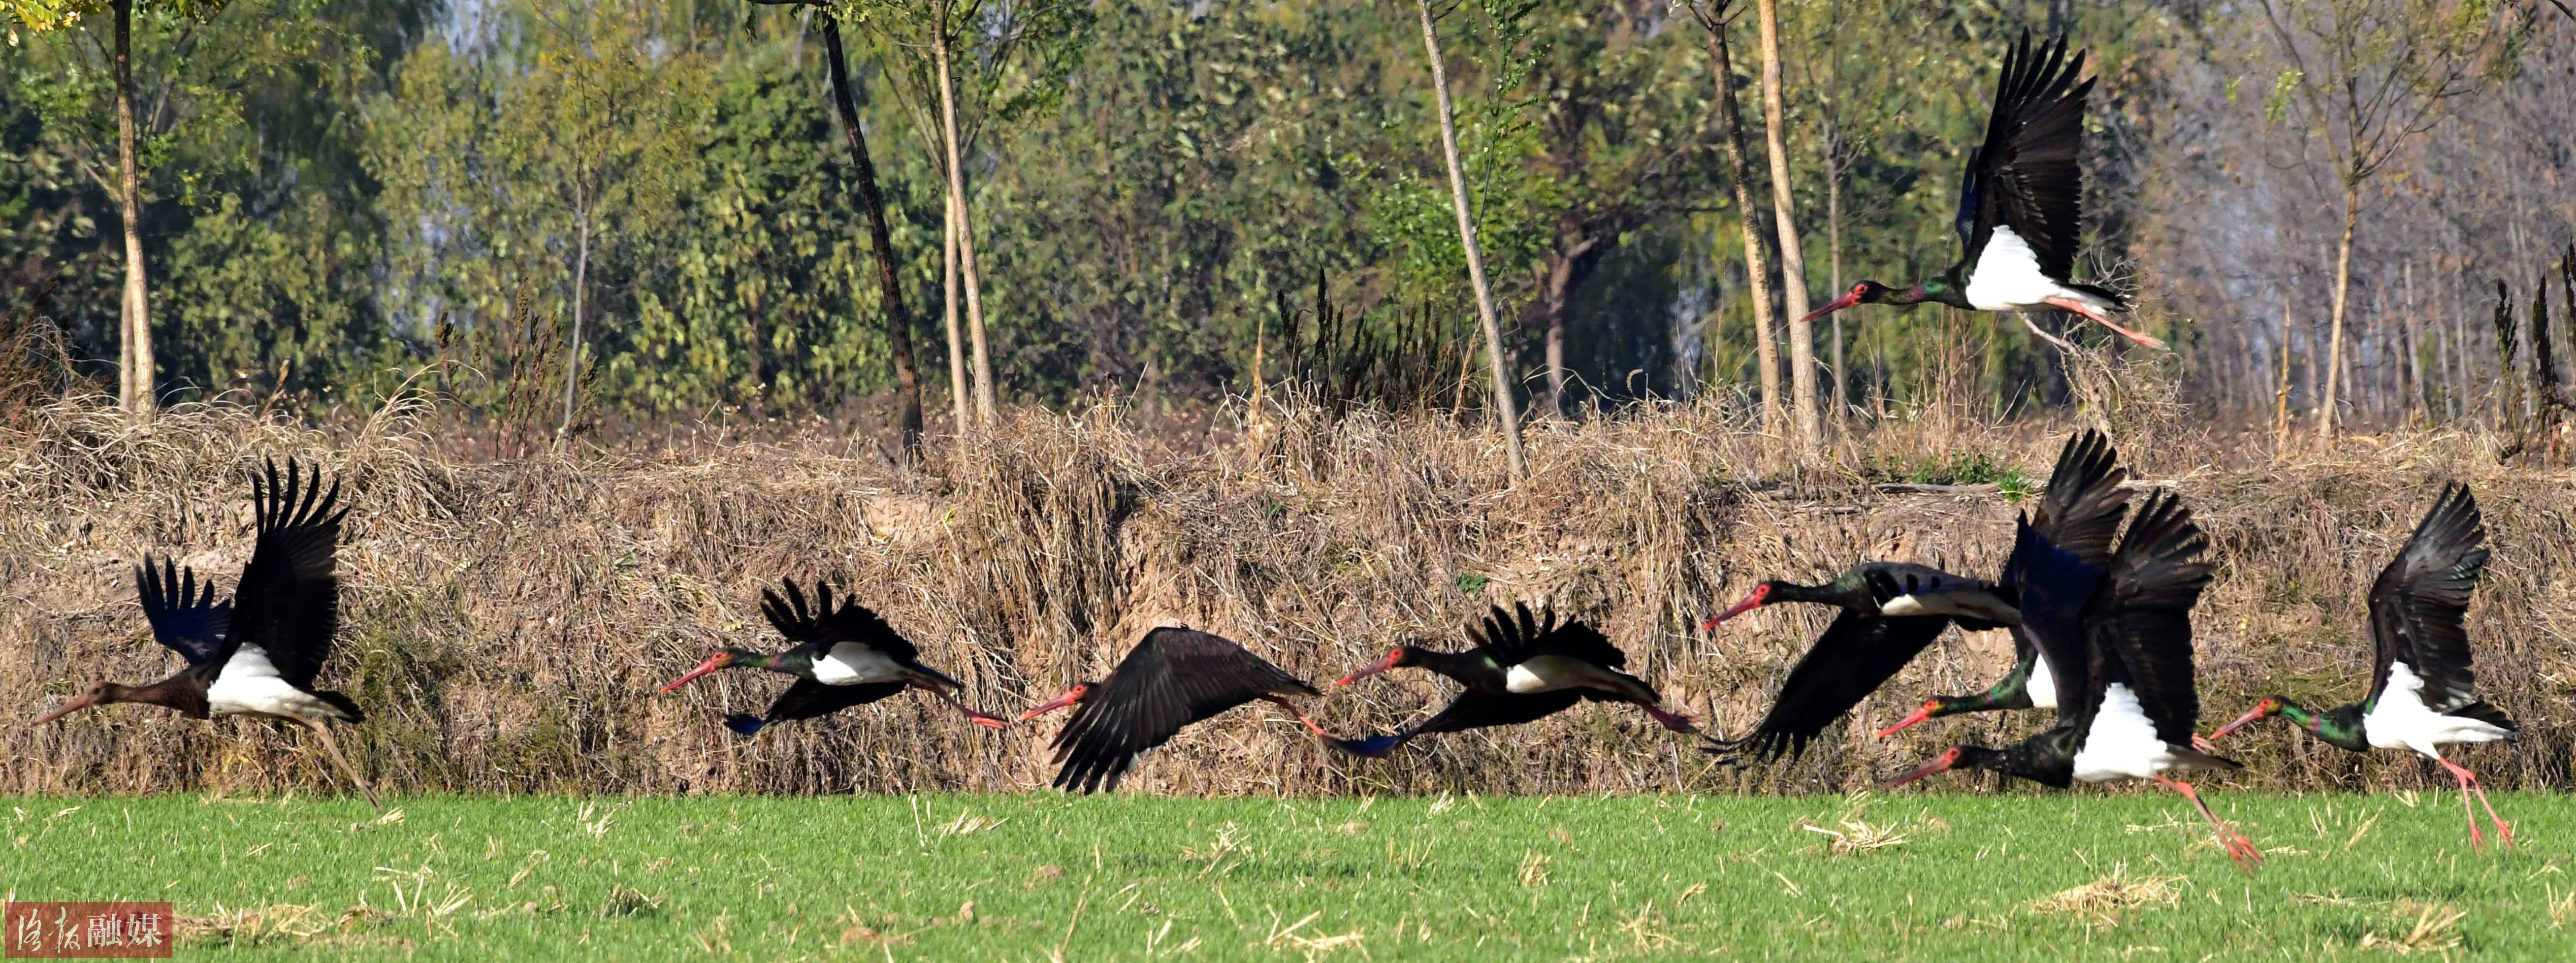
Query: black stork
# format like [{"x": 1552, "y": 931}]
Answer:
[
  {"x": 2021, "y": 205},
  {"x": 257, "y": 654},
  {"x": 2128, "y": 628},
  {"x": 2422, "y": 693},
  {"x": 1174, "y": 678},
  {"x": 1523, "y": 668},
  {"x": 843, "y": 657},
  {"x": 2081, "y": 513},
  {"x": 1892, "y": 611}
]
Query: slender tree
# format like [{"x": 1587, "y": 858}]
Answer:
[
  {"x": 1505, "y": 411},
  {"x": 1793, "y": 261},
  {"x": 880, "y": 240},
  {"x": 2364, "y": 78},
  {"x": 1739, "y": 176}
]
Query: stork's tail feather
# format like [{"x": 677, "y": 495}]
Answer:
[{"x": 2103, "y": 294}]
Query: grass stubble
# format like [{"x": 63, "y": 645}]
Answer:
[{"x": 1932, "y": 877}]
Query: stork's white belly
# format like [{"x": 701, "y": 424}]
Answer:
[
  {"x": 1973, "y": 604},
  {"x": 2401, "y": 720},
  {"x": 2042, "y": 685},
  {"x": 2007, "y": 276},
  {"x": 852, "y": 664},
  {"x": 1547, "y": 673},
  {"x": 248, "y": 685},
  {"x": 2122, "y": 743}
]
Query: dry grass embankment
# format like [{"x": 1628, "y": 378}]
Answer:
[{"x": 507, "y": 623}]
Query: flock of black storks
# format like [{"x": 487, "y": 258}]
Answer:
[{"x": 2100, "y": 619}]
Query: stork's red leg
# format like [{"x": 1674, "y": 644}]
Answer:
[
  {"x": 2238, "y": 847},
  {"x": 1301, "y": 717},
  {"x": 2104, "y": 320},
  {"x": 2469, "y": 786},
  {"x": 345, "y": 768},
  {"x": 2477, "y": 840},
  {"x": 1674, "y": 721}
]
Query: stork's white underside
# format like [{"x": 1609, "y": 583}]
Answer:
[
  {"x": 2400, "y": 720},
  {"x": 1972, "y": 604},
  {"x": 248, "y": 685},
  {"x": 2042, "y": 685},
  {"x": 850, "y": 663},
  {"x": 2122, "y": 743},
  {"x": 1548, "y": 673},
  {"x": 2007, "y": 277}
]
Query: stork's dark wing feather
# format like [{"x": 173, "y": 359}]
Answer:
[
  {"x": 2142, "y": 615},
  {"x": 288, "y": 602},
  {"x": 184, "y": 615},
  {"x": 1858, "y": 652},
  {"x": 1966, "y": 222},
  {"x": 2027, "y": 176},
  {"x": 823, "y": 624},
  {"x": 1478, "y": 709},
  {"x": 2053, "y": 586},
  {"x": 808, "y": 699},
  {"x": 2419, "y": 604},
  {"x": 1174, "y": 678},
  {"x": 2081, "y": 512},
  {"x": 1511, "y": 638}
]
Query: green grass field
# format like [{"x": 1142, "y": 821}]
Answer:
[{"x": 1911, "y": 877}]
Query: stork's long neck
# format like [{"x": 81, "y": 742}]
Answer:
[{"x": 2339, "y": 727}]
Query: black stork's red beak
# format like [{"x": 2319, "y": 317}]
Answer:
[
  {"x": 1921, "y": 713},
  {"x": 77, "y": 703},
  {"x": 1850, "y": 298},
  {"x": 2260, "y": 710},
  {"x": 1755, "y": 600},
  {"x": 1941, "y": 763},
  {"x": 1382, "y": 665},
  {"x": 1070, "y": 696},
  {"x": 713, "y": 662}
]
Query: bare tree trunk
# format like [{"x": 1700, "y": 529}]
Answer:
[
  {"x": 890, "y": 289},
  {"x": 1793, "y": 263},
  {"x": 1506, "y": 412},
  {"x": 572, "y": 346},
  {"x": 2412, "y": 354},
  {"x": 2334, "y": 329},
  {"x": 960, "y": 388},
  {"x": 965, "y": 231},
  {"x": 1834, "y": 261},
  {"x": 1757, "y": 271},
  {"x": 135, "y": 377},
  {"x": 1559, "y": 277}
]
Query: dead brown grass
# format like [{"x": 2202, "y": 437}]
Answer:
[{"x": 507, "y": 622}]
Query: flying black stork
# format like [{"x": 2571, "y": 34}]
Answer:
[
  {"x": 2081, "y": 514},
  {"x": 257, "y": 654},
  {"x": 843, "y": 657},
  {"x": 1523, "y": 668},
  {"x": 1174, "y": 678},
  {"x": 1892, "y": 611},
  {"x": 2021, "y": 205},
  {"x": 2122, "y": 639},
  {"x": 2422, "y": 693}
]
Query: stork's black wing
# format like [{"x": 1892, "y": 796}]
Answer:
[
  {"x": 1174, "y": 678},
  {"x": 2053, "y": 587},
  {"x": 1858, "y": 652},
  {"x": 1511, "y": 638},
  {"x": 2027, "y": 175},
  {"x": 808, "y": 698},
  {"x": 288, "y": 602},
  {"x": 184, "y": 615},
  {"x": 2082, "y": 510},
  {"x": 2142, "y": 615},
  {"x": 827, "y": 626},
  {"x": 1478, "y": 709},
  {"x": 2420, "y": 602}
]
